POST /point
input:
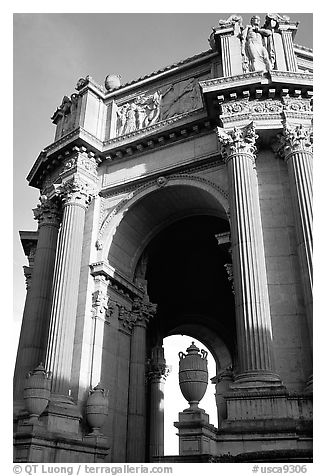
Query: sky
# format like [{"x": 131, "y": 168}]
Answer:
[{"x": 51, "y": 51}]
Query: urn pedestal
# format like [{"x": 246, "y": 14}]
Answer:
[{"x": 196, "y": 434}]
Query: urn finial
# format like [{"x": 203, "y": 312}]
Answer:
[
  {"x": 37, "y": 391},
  {"x": 193, "y": 375}
]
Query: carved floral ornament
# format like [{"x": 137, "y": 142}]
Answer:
[
  {"x": 81, "y": 160},
  {"x": 48, "y": 212},
  {"x": 99, "y": 304},
  {"x": 76, "y": 191},
  {"x": 268, "y": 106},
  {"x": 143, "y": 311},
  {"x": 158, "y": 371},
  {"x": 237, "y": 141},
  {"x": 294, "y": 138}
]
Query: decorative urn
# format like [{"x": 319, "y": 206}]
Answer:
[
  {"x": 97, "y": 408},
  {"x": 37, "y": 391},
  {"x": 112, "y": 82},
  {"x": 193, "y": 375}
]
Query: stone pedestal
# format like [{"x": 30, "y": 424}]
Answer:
[
  {"x": 254, "y": 332},
  {"x": 41, "y": 443},
  {"x": 196, "y": 435}
]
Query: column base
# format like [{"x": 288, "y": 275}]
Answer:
[{"x": 255, "y": 380}]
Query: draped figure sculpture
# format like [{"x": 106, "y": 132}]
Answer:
[{"x": 253, "y": 46}]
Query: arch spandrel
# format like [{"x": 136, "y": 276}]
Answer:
[{"x": 144, "y": 212}]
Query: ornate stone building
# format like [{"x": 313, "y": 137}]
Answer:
[{"x": 180, "y": 202}]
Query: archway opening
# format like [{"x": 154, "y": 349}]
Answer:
[{"x": 187, "y": 279}]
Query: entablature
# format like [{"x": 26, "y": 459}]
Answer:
[{"x": 265, "y": 99}]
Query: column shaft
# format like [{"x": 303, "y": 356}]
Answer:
[
  {"x": 156, "y": 445},
  {"x": 137, "y": 396},
  {"x": 299, "y": 165},
  {"x": 158, "y": 372},
  {"x": 36, "y": 317},
  {"x": 65, "y": 296},
  {"x": 254, "y": 333}
]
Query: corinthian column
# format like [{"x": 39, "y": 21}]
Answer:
[
  {"x": 296, "y": 149},
  {"x": 142, "y": 311},
  {"x": 75, "y": 195},
  {"x": 32, "y": 344},
  {"x": 253, "y": 322},
  {"x": 157, "y": 375}
]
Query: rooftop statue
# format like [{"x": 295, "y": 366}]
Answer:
[{"x": 254, "y": 47}]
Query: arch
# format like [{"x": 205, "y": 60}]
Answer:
[{"x": 193, "y": 196}]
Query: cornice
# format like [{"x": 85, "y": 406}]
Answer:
[
  {"x": 158, "y": 74},
  {"x": 254, "y": 78},
  {"x": 116, "y": 280}
]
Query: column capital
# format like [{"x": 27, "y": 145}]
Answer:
[
  {"x": 126, "y": 319},
  {"x": 158, "y": 371},
  {"x": 48, "y": 212},
  {"x": 76, "y": 191},
  {"x": 100, "y": 305},
  {"x": 294, "y": 138},
  {"x": 157, "y": 368},
  {"x": 237, "y": 141},
  {"x": 143, "y": 311},
  {"x": 28, "y": 272}
]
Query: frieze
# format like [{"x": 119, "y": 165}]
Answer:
[
  {"x": 138, "y": 114},
  {"x": 145, "y": 110},
  {"x": 297, "y": 104},
  {"x": 151, "y": 128},
  {"x": 256, "y": 106}
]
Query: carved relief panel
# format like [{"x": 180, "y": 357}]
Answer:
[{"x": 168, "y": 101}]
